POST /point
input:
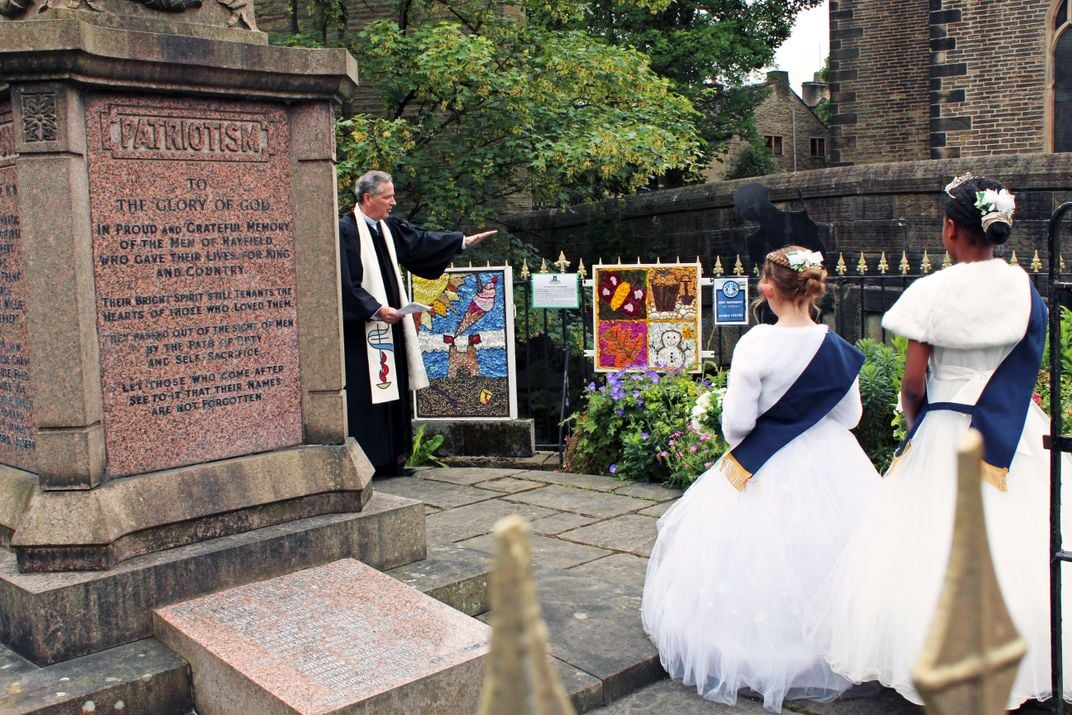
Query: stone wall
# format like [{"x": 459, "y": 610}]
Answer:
[
  {"x": 939, "y": 79},
  {"x": 989, "y": 77},
  {"x": 878, "y": 207},
  {"x": 878, "y": 81}
]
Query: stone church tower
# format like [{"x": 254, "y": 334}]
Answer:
[{"x": 934, "y": 79}]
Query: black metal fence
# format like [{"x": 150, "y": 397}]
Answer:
[{"x": 551, "y": 344}]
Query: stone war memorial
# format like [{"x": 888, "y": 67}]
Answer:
[{"x": 174, "y": 460}]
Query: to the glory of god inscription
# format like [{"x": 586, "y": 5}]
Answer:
[
  {"x": 17, "y": 435},
  {"x": 193, "y": 254}
]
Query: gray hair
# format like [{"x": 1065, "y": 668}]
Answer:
[{"x": 370, "y": 183}]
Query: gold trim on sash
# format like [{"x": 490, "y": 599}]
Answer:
[
  {"x": 734, "y": 472},
  {"x": 995, "y": 476}
]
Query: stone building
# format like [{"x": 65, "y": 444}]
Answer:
[
  {"x": 796, "y": 136},
  {"x": 943, "y": 79}
]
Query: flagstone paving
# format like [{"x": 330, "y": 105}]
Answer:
[{"x": 591, "y": 536}]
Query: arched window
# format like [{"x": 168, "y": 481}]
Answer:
[{"x": 1062, "y": 79}]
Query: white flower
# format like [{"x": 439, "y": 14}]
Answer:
[
  {"x": 991, "y": 201},
  {"x": 799, "y": 260}
]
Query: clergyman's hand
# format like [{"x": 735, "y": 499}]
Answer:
[
  {"x": 476, "y": 238},
  {"x": 389, "y": 315}
]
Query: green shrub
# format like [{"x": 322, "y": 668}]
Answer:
[
  {"x": 424, "y": 450},
  {"x": 880, "y": 386},
  {"x": 636, "y": 425}
]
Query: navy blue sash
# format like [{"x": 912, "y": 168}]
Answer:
[
  {"x": 1001, "y": 410},
  {"x": 822, "y": 385}
]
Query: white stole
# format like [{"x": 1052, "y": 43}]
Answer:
[{"x": 379, "y": 340}]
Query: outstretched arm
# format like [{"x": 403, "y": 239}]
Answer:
[{"x": 470, "y": 241}]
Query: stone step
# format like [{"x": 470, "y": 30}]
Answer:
[
  {"x": 547, "y": 461},
  {"x": 598, "y": 646},
  {"x": 53, "y": 617},
  {"x": 338, "y": 638},
  {"x": 139, "y": 677},
  {"x": 452, "y": 575}
]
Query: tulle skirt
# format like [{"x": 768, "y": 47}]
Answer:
[
  {"x": 732, "y": 572},
  {"x": 872, "y": 616}
]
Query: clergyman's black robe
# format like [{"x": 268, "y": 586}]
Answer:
[{"x": 384, "y": 430}]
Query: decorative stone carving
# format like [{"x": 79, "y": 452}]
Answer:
[
  {"x": 241, "y": 13},
  {"x": 14, "y": 8},
  {"x": 973, "y": 649},
  {"x": 519, "y": 676},
  {"x": 39, "y": 120}
]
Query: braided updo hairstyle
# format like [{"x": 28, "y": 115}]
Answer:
[
  {"x": 807, "y": 285},
  {"x": 961, "y": 208}
]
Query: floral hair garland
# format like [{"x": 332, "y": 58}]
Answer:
[
  {"x": 994, "y": 205},
  {"x": 802, "y": 260}
]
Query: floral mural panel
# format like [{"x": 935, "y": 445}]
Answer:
[
  {"x": 621, "y": 344},
  {"x": 467, "y": 344},
  {"x": 622, "y": 294},
  {"x": 647, "y": 316},
  {"x": 673, "y": 346}
]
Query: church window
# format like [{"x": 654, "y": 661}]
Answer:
[
  {"x": 774, "y": 144},
  {"x": 1061, "y": 16},
  {"x": 1062, "y": 91}
]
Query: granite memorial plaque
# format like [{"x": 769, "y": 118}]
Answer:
[
  {"x": 342, "y": 637},
  {"x": 17, "y": 432},
  {"x": 193, "y": 251}
]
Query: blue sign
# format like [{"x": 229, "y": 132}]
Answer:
[{"x": 731, "y": 301}]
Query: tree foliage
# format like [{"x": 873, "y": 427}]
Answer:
[
  {"x": 708, "y": 49},
  {"x": 481, "y": 102}
]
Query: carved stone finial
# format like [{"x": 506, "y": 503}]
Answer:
[
  {"x": 519, "y": 677},
  {"x": 973, "y": 650}
]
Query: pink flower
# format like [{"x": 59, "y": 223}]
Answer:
[
  {"x": 692, "y": 448},
  {"x": 1037, "y": 398}
]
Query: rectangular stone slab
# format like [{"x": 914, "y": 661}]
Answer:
[{"x": 339, "y": 638}]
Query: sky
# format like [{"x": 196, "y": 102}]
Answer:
[{"x": 803, "y": 53}]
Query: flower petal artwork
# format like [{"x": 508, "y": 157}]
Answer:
[
  {"x": 647, "y": 316},
  {"x": 467, "y": 344}
]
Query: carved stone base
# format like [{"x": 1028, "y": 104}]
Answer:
[{"x": 95, "y": 529}]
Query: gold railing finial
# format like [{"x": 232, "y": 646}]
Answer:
[
  {"x": 883, "y": 264},
  {"x": 946, "y": 260},
  {"x": 903, "y": 266},
  {"x": 925, "y": 264},
  {"x": 861, "y": 265},
  {"x": 561, "y": 264},
  {"x": 842, "y": 268},
  {"x": 543, "y": 266},
  {"x": 581, "y": 270},
  {"x": 738, "y": 267},
  {"x": 524, "y": 269},
  {"x": 1036, "y": 262},
  {"x": 719, "y": 271},
  {"x": 1013, "y": 260}
]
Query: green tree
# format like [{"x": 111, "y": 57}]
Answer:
[
  {"x": 754, "y": 159},
  {"x": 485, "y": 100},
  {"x": 708, "y": 49}
]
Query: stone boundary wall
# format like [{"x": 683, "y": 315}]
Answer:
[{"x": 876, "y": 207}]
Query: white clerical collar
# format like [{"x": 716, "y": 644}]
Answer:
[{"x": 370, "y": 222}]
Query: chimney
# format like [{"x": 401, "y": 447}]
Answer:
[
  {"x": 779, "y": 79},
  {"x": 814, "y": 92}
]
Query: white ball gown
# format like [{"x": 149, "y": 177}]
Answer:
[
  {"x": 732, "y": 572},
  {"x": 872, "y": 617}
]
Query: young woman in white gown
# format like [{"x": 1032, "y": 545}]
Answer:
[
  {"x": 871, "y": 618},
  {"x": 740, "y": 555}
]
